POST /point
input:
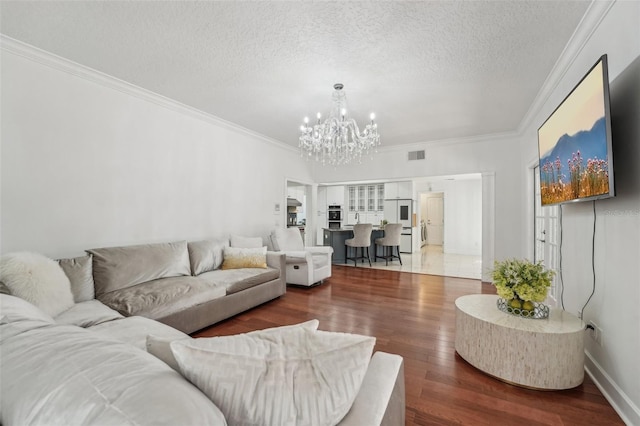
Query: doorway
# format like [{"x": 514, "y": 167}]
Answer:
[
  {"x": 432, "y": 223},
  {"x": 298, "y": 206},
  {"x": 451, "y": 224}
]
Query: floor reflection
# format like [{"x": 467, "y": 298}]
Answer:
[{"x": 431, "y": 260}]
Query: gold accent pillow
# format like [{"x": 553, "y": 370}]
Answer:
[{"x": 237, "y": 258}]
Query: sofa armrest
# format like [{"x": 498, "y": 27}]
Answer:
[
  {"x": 297, "y": 256},
  {"x": 381, "y": 399},
  {"x": 319, "y": 250},
  {"x": 276, "y": 259}
]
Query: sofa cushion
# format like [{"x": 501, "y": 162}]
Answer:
[
  {"x": 116, "y": 268},
  {"x": 66, "y": 375},
  {"x": 296, "y": 376},
  {"x": 87, "y": 314},
  {"x": 160, "y": 347},
  {"x": 162, "y": 297},
  {"x": 37, "y": 279},
  {"x": 206, "y": 255},
  {"x": 235, "y": 280},
  {"x": 80, "y": 274},
  {"x": 134, "y": 331},
  {"x": 237, "y": 258},
  {"x": 238, "y": 241},
  {"x": 14, "y": 309}
]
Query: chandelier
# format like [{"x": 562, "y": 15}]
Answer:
[{"x": 338, "y": 140}]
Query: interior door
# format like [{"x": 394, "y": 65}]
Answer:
[
  {"x": 435, "y": 219},
  {"x": 546, "y": 234}
]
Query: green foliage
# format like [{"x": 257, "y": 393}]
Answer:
[{"x": 522, "y": 279}]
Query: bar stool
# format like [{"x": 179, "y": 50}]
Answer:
[
  {"x": 390, "y": 240},
  {"x": 361, "y": 239}
]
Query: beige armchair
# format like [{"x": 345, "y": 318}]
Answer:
[
  {"x": 361, "y": 240},
  {"x": 390, "y": 241},
  {"x": 305, "y": 266}
]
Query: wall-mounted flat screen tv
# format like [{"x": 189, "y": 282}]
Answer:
[{"x": 574, "y": 143}]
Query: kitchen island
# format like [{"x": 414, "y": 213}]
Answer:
[{"x": 337, "y": 236}]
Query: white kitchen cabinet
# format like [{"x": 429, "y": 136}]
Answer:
[
  {"x": 398, "y": 190},
  {"x": 406, "y": 242},
  {"x": 335, "y": 195},
  {"x": 297, "y": 193},
  {"x": 365, "y": 198}
]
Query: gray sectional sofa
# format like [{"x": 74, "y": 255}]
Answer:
[
  {"x": 83, "y": 363},
  {"x": 178, "y": 283},
  {"x": 90, "y": 366}
]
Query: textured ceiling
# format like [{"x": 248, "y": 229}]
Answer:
[{"x": 430, "y": 70}]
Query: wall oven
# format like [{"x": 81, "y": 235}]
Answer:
[{"x": 334, "y": 216}]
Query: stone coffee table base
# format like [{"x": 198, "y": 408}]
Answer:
[{"x": 545, "y": 354}]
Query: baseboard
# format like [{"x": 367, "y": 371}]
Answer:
[{"x": 626, "y": 409}]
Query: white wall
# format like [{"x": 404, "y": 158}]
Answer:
[
  {"x": 614, "y": 306},
  {"x": 462, "y": 214},
  {"x": 86, "y": 164}
]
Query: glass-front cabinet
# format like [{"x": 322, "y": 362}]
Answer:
[{"x": 367, "y": 201}]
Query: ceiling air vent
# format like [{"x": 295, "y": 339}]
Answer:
[{"x": 416, "y": 155}]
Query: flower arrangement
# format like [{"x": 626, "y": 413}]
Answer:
[{"x": 522, "y": 282}]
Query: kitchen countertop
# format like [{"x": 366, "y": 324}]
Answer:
[{"x": 348, "y": 229}]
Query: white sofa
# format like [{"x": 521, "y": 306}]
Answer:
[
  {"x": 304, "y": 265},
  {"x": 89, "y": 365}
]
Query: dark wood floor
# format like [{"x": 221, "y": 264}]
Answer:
[{"x": 414, "y": 316}]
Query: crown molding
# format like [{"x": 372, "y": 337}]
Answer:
[
  {"x": 493, "y": 137},
  {"x": 59, "y": 63},
  {"x": 590, "y": 22}
]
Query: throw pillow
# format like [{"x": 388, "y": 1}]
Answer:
[
  {"x": 205, "y": 255},
  {"x": 246, "y": 242},
  {"x": 295, "y": 376},
  {"x": 237, "y": 258},
  {"x": 80, "y": 275},
  {"x": 38, "y": 280},
  {"x": 160, "y": 347}
]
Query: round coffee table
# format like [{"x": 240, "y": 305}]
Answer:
[{"x": 533, "y": 353}]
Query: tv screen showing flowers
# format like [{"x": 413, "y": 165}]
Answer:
[{"x": 574, "y": 143}]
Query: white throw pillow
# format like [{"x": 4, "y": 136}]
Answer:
[
  {"x": 294, "y": 376},
  {"x": 37, "y": 279},
  {"x": 160, "y": 347}
]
